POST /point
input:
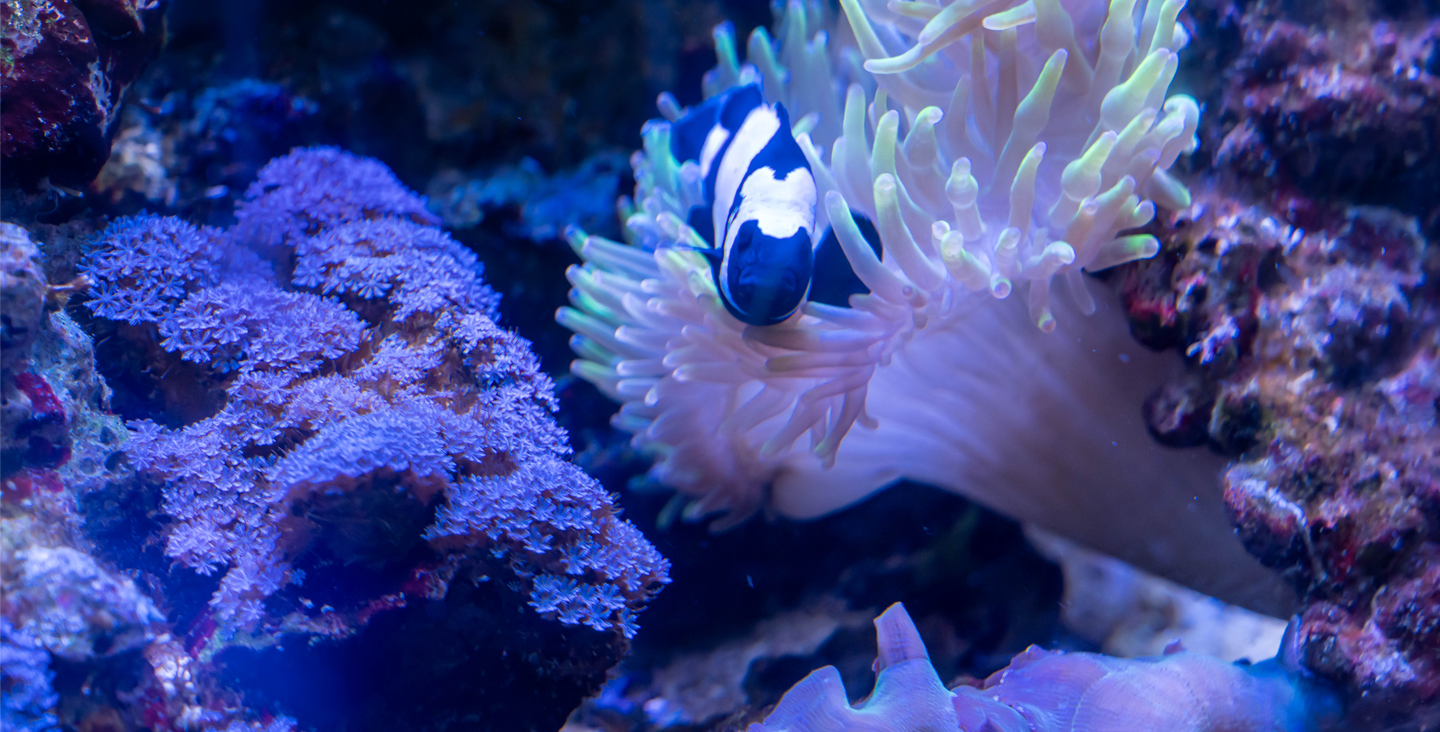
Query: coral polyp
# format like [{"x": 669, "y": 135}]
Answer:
[
  {"x": 384, "y": 329},
  {"x": 997, "y": 147}
]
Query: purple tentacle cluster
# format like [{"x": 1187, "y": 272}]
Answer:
[
  {"x": 307, "y": 192},
  {"x": 369, "y": 258},
  {"x": 255, "y": 326},
  {"x": 1049, "y": 691},
  {"x": 369, "y": 398},
  {"x": 149, "y": 265}
]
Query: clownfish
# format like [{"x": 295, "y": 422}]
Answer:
[
  {"x": 759, "y": 210},
  {"x": 760, "y": 196}
]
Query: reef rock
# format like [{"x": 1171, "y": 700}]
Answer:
[
  {"x": 1338, "y": 100},
  {"x": 66, "y": 67},
  {"x": 1311, "y": 332}
]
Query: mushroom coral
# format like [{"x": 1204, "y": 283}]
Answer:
[
  {"x": 998, "y": 147},
  {"x": 1058, "y": 692}
]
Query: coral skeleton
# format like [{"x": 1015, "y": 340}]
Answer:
[{"x": 1000, "y": 148}]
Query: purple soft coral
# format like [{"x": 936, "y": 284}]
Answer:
[
  {"x": 558, "y": 521},
  {"x": 258, "y": 326},
  {"x": 1050, "y": 691},
  {"x": 148, "y": 265},
  {"x": 383, "y": 382},
  {"x": 427, "y": 269},
  {"x": 318, "y": 188}
]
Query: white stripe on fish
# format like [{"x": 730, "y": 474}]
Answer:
[{"x": 762, "y": 200}]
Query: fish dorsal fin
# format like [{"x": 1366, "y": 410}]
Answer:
[{"x": 738, "y": 105}]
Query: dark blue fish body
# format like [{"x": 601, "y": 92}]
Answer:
[
  {"x": 759, "y": 210},
  {"x": 834, "y": 280},
  {"x": 714, "y": 121}
]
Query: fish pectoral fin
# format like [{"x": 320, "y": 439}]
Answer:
[
  {"x": 701, "y": 221},
  {"x": 713, "y": 256}
]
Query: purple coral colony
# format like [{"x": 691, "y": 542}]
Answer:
[{"x": 946, "y": 365}]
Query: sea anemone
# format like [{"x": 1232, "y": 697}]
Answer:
[{"x": 994, "y": 145}]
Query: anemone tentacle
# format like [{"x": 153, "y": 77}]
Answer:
[{"x": 997, "y": 146}]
